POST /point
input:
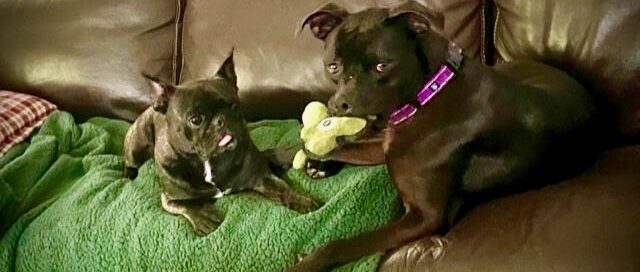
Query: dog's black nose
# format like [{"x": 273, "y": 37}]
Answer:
[{"x": 339, "y": 107}]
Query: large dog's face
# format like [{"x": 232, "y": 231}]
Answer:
[
  {"x": 203, "y": 117},
  {"x": 374, "y": 57}
]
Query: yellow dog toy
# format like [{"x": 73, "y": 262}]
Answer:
[{"x": 319, "y": 131}]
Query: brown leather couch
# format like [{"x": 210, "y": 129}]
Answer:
[{"x": 87, "y": 56}]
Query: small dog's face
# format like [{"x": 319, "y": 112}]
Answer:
[
  {"x": 372, "y": 56},
  {"x": 203, "y": 117}
]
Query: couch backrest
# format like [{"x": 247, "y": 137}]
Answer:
[
  {"x": 271, "y": 60},
  {"x": 595, "y": 40},
  {"x": 86, "y": 56}
]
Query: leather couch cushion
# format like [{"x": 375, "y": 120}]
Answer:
[
  {"x": 271, "y": 60},
  {"x": 589, "y": 223},
  {"x": 597, "y": 40},
  {"x": 86, "y": 56}
]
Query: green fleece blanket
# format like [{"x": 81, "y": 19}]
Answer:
[{"x": 65, "y": 207}]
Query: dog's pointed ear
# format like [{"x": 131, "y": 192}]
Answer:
[
  {"x": 227, "y": 70},
  {"x": 419, "y": 17},
  {"x": 324, "y": 20},
  {"x": 163, "y": 93}
]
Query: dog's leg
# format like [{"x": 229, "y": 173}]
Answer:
[
  {"x": 362, "y": 152},
  {"x": 135, "y": 154},
  {"x": 511, "y": 164},
  {"x": 409, "y": 228},
  {"x": 425, "y": 189},
  {"x": 321, "y": 169},
  {"x": 278, "y": 190},
  {"x": 486, "y": 172},
  {"x": 138, "y": 144},
  {"x": 281, "y": 158},
  {"x": 200, "y": 212}
]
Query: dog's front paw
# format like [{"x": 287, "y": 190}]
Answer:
[
  {"x": 307, "y": 264},
  {"x": 322, "y": 169},
  {"x": 304, "y": 205},
  {"x": 130, "y": 172},
  {"x": 204, "y": 219},
  {"x": 319, "y": 260},
  {"x": 204, "y": 227}
]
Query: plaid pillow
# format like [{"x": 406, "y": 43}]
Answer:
[{"x": 20, "y": 114}]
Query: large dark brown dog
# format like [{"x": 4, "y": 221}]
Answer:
[
  {"x": 198, "y": 137},
  {"x": 489, "y": 132}
]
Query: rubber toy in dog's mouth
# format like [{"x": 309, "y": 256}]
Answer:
[{"x": 321, "y": 131}]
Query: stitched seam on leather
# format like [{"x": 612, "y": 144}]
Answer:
[
  {"x": 483, "y": 49},
  {"x": 175, "y": 41},
  {"x": 495, "y": 33},
  {"x": 178, "y": 54}
]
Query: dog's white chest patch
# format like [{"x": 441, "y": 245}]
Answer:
[
  {"x": 208, "y": 173},
  {"x": 209, "y": 178},
  {"x": 221, "y": 194}
]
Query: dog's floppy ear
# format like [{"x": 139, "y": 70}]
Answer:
[
  {"x": 324, "y": 20},
  {"x": 227, "y": 70},
  {"x": 163, "y": 92},
  {"x": 419, "y": 17}
]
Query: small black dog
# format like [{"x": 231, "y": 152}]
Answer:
[
  {"x": 198, "y": 137},
  {"x": 471, "y": 132}
]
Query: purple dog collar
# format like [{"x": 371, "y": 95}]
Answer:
[
  {"x": 426, "y": 94},
  {"x": 435, "y": 85},
  {"x": 402, "y": 114}
]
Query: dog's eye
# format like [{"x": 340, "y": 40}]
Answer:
[
  {"x": 333, "y": 68},
  {"x": 219, "y": 121},
  {"x": 382, "y": 67},
  {"x": 196, "y": 120}
]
